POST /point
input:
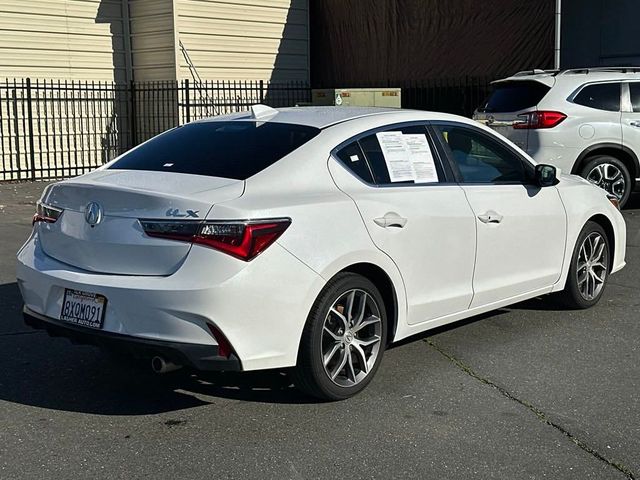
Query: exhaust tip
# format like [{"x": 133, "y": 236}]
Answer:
[{"x": 160, "y": 365}]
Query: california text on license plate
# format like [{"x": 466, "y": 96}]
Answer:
[{"x": 83, "y": 308}]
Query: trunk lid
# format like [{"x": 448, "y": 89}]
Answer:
[
  {"x": 117, "y": 244},
  {"x": 508, "y": 100},
  {"x": 503, "y": 124}
]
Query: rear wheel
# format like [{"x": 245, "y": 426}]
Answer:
[
  {"x": 589, "y": 269},
  {"x": 610, "y": 174},
  {"x": 343, "y": 340}
]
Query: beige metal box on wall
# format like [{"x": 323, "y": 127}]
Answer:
[{"x": 357, "y": 97}]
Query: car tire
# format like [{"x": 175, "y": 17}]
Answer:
[
  {"x": 611, "y": 174},
  {"x": 341, "y": 347},
  {"x": 589, "y": 268}
]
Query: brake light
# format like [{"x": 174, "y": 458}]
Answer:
[
  {"x": 242, "y": 239},
  {"x": 46, "y": 213},
  {"x": 539, "y": 119}
]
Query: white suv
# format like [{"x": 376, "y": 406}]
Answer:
[{"x": 584, "y": 121}]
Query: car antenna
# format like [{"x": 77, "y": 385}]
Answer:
[{"x": 259, "y": 111}]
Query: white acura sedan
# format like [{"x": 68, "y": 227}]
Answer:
[{"x": 309, "y": 238}]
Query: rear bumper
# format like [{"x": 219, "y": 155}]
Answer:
[
  {"x": 200, "y": 357},
  {"x": 259, "y": 306}
]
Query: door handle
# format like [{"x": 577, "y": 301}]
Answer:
[
  {"x": 490, "y": 217},
  {"x": 635, "y": 123},
  {"x": 391, "y": 219}
]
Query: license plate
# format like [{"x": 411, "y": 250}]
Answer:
[{"x": 83, "y": 308}]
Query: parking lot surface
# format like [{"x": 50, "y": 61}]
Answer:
[{"x": 529, "y": 391}]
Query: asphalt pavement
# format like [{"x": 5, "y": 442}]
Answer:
[{"x": 529, "y": 391}]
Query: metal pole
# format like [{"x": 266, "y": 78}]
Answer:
[
  {"x": 556, "y": 62},
  {"x": 32, "y": 153},
  {"x": 134, "y": 114},
  {"x": 186, "y": 99}
]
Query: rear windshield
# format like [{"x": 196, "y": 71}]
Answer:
[
  {"x": 515, "y": 96},
  {"x": 236, "y": 150}
]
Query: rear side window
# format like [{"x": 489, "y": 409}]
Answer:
[
  {"x": 603, "y": 96},
  {"x": 373, "y": 151},
  {"x": 235, "y": 150},
  {"x": 353, "y": 158},
  {"x": 635, "y": 96},
  {"x": 514, "y": 96}
]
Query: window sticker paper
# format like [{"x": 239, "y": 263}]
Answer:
[
  {"x": 396, "y": 155},
  {"x": 424, "y": 167}
]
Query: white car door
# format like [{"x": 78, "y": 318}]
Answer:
[
  {"x": 521, "y": 228},
  {"x": 426, "y": 227},
  {"x": 631, "y": 118}
]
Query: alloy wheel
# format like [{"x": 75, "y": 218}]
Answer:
[
  {"x": 351, "y": 336},
  {"x": 592, "y": 266},
  {"x": 609, "y": 177}
]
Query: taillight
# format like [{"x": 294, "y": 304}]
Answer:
[
  {"x": 242, "y": 239},
  {"x": 46, "y": 213},
  {"x": 539, "y": 119}
]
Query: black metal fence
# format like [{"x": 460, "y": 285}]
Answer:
[
  {"x": 55, "y": 129},
  {"x": 460, "y": 96}
]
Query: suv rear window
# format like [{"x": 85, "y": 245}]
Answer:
[
  {"x": 603, "y": 96},
  {"x": 237, "y": 149},
  {"x": 514, "y": 96}
]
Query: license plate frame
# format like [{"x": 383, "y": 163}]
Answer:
[{"x": 85, "y": 309}]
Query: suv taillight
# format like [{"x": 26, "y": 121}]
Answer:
[
  {"x": 539, "y": 119},
  {"x": 242, "y": 239},
  {"x": 46, "y": 213}
]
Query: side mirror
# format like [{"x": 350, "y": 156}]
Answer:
[{"x": 546, "y": 175}]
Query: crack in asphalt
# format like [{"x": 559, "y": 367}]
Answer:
[
  {"x": 10, "y": 334},
  {"x": 536, "y": 411},
  {"x": 630, "y": 287}
]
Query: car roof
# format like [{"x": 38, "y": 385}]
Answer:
[
  {"x": 575, "y": 76},
  {"x": 323, "y": 117}
]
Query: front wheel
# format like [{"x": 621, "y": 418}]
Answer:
[
  {"x": 343, "y": 340},
  {"x": 589, "y": 269}
]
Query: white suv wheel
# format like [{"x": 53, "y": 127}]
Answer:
[{"x": 610, "y": 174}]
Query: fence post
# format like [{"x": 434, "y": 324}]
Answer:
[
  {"x": 261, "y": 92},
  {"x": 32, "y": 153},
  {"x": 186, "y": 99},
  {"x": 134, "y": 115}
]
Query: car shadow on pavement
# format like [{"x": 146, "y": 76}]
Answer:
[
  {"x": 633, "y": 202},
  {"x": 52, "y": 373}
]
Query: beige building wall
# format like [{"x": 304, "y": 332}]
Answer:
[
  {"x": 244, "y": 39},
  {"x": 153, "y": 44},
  {"x": 62, "y": 39},
  {"x": 105, "y": 41},
  {"x": 90, "y": 39}
]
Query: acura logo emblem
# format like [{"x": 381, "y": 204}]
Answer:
[{"x": 93, "y": 213}]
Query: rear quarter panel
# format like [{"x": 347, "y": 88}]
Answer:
[{"x": 327, "y": 233}]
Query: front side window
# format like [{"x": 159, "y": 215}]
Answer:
[
  {"x": 236, "y": 149},
  {"x": 481, "y": 159},
  {"x": 602, "y": 96},
  {"x": 635, "y": 96}
]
